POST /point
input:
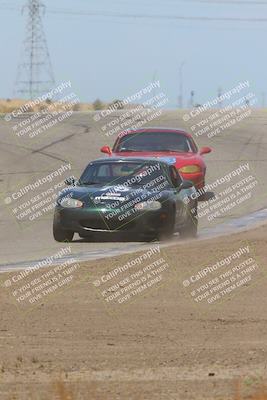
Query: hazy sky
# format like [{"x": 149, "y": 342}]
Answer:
[{"x": 111, "y": 57}]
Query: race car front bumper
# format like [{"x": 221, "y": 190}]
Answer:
[{"x": 86, "y": 220}]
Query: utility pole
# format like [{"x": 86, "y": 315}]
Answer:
[
  {"x": 35, "y": 75},
  {"x": 263, "y": 95},
  {"x": 219, "y": 97},
  {"x": 192, "y": 99},
  {"x": 181, "y": 88},
  {"x": 154, "y": 80}
]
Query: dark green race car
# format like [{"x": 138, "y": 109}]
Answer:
[{"x": 141, "y": 196}]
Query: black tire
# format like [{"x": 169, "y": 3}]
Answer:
[
  {"x": 83, "y": 236},
  {"x": 168, "y": 233},
  {"x": 61, "y": 235},
  {"x": 86, "y": 237},
  {"x": 148, "y": 237},
  {"x": 190, "y": 229}
]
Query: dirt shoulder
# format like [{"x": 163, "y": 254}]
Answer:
[{"x": 158, "y": 344}]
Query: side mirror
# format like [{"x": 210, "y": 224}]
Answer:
[
  {"x": 204, "y": 150},
  {"x": 186, "y": 185},
  {"x": 71, "y": 181},
  {"x": 106, "y": 150}
]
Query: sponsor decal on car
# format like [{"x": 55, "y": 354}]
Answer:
[{"x": 169, "y": 160}]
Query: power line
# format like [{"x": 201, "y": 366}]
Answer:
[
  {"x": 217, "y": 2},
  {"x": 235, "y": 2},
  {"x": 8, "y": 7},
  {"x": 159, "y": 17}
]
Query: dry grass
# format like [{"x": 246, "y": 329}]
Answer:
[
  {"x": 61, "y": 391},
  {"x": 66, "y": 394},
  {"x": 260, "y": 394},
  {"x": 7, "y": 106}
]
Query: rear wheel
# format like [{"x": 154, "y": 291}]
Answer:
[{"x": 60, "y": 234}]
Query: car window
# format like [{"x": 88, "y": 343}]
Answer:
[
  {"x": 155, "y": 141},
  {"x": 103, "y": 170},
  {"x": 124, "y": 169},
  {"x": 134, "y": 173}
]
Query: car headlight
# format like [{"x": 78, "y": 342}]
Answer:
[
  {"x": 148, "y": 205},
  {"x": 190, "y": 169},
  {"x": 68, "y": 202}
]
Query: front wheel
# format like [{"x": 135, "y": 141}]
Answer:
[
  {"x": 168, "y": 231},
  {"x": 61, "y": 235},
  {"x": 167, "y": 234},
  {"x": 190, "y": 229},
  {"x": 88, "y": 237}
]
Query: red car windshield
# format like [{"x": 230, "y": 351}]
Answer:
[{"x": 155, "y": 142}]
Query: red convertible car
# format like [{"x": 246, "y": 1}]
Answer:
[{"x": 173, "y": 144}]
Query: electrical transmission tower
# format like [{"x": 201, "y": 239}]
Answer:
[{"x": 35, "y": 75}]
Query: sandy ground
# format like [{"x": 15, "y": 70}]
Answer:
[{"x": 161, "y": 344}]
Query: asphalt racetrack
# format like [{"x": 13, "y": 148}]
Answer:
[{"x": 77, "y": 140}]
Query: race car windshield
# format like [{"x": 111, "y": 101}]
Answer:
[
  {"x": 119, "y": 173},
  {"x": 155, "y": 141}
]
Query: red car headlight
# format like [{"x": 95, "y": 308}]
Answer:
[{"x": 190, "y": 169}]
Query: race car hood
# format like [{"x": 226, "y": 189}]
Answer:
[
  {"x": 172, "y": 157},
  {"x": 98, "y": 195}
]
